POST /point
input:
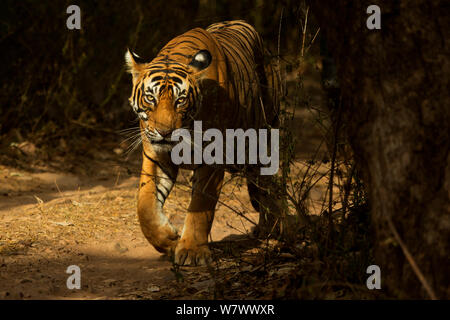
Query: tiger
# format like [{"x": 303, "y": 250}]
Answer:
[{"x": 221, "y": 76}]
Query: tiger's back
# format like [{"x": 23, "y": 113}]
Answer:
[
  {"x": 238, "y": 66},
  {"x": 255, "y": 82}
]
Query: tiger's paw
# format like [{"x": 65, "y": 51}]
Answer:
[
  {"x": 164, "y": 239},
  {"x": 189, "y": 253}
]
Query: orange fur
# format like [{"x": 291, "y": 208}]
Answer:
[{"x": 218, "y": 76}]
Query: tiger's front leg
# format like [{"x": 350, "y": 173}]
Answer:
[
  {"x": 154, "y": 187},
  {"x": 192, "y": 248}
]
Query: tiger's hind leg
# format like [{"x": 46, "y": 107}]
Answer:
[
  {"x": 192, "y": 248},
  {"x": 266, "y": 198}
]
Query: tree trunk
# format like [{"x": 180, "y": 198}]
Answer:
[{"x": 395, "y": 101}]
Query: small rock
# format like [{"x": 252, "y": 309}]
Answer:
[
  {"x": 203, "y": 284},
  {"x": 153, "y": 288},
  {"x": 76, "y": 203},
  {"x": 109, "y": 282}
]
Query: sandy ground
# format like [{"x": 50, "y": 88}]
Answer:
[{"x": 49, "y": 221}]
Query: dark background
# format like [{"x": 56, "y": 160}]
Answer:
[
  {"x": 392, "y": 105},
  {"x": 60, "y": 82}
]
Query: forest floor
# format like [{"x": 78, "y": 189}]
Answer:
[
  {"x": 57, "y": 212},
  {"x": 50, "y": 220}
]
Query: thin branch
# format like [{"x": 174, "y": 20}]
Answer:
[
  {"x": 304, "y": 33},
  {"x": 411, "y": 260}
]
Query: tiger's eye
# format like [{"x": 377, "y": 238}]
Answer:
[
  {"x": 149, "y": 99},
  {"x": 181, "y": 101}
]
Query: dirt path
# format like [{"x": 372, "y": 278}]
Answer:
[{"x": 50, "y": 221}]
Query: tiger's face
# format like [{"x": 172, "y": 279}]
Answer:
[
  {"x": 164, "y": 96},
  {"x": 162, "y": 104}
]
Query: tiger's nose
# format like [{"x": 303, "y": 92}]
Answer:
[{"x": 164, "y": 133}]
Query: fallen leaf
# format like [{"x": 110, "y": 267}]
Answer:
[
  {"x": 16, "y": 174},
  {"x": 120, "y": 248},
  {"x": 25, "y": 280}
]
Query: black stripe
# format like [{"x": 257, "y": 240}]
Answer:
[
  {"x": 177, "y": 80},
  {"x": 168, "y": 71},
  {"x": 188, "y": 56},
  {"x": 189, "y": 48},
  {"x": 188, "y": 41},
  {"x": 162, "y": 194},
  {"x": 159, "y": 165},
  {"x": 196, "y": 38},
  {"x": 157, "y": 78}
]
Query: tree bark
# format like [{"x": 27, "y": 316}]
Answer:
[{"x": 395, "y": 101}]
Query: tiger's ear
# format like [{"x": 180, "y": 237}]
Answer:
[
  {"x": 201, "y": 60},
  {"x": 134, "y": 63}
]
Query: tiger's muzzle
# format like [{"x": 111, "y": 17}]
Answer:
[{"x": 159, "y": 136}]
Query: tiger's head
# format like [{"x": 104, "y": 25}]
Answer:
[{"x": 164, "y": 94}]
